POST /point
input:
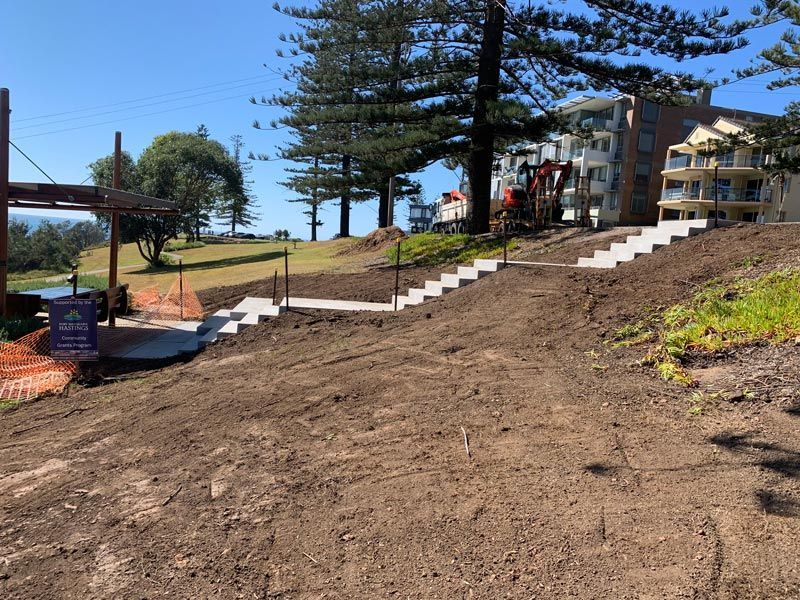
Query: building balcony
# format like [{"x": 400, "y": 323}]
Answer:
[
  {"x": 695, "y": 161},
  {"x": 592, "y": 156},
  {"x": 595, "y": 187},
  {"x": 725, "y": 195},
  {"x": 597, "y": 123}
]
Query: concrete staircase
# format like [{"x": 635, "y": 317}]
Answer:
[
  {"x": 649, "y": 240},
  {"x": 448, "y": 282},
  {"x": 190, "y": 337}
]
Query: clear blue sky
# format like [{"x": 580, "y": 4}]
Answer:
[{"x": 59, "y": 57}]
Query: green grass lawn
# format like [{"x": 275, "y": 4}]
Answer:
[
  {"x": 436, "y": 248},
  {"x": 748, "y": 311},
  {"x": 215, "y": 265}
]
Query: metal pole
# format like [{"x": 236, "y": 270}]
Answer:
[
  {"x": 5, "y": 112},
  {"x": 716, "y": 194},
  {"x": 286, "y": 273},
  {"x": 397, "y": 275},
  {"x": 505, "y": 240},
  {"x": 180, "y": 284},
  {"x": 113, "y": 255},
  {"x": 274, "y": 286}
]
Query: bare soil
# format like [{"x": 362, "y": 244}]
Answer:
[{"x": 486, "y": 444}]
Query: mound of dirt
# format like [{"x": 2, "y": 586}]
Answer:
[
  {"x": 377, "y": 240},
  {"x": 485, "y": 444}
]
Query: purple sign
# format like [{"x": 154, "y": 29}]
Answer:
[{"x": 73, "y": 329}]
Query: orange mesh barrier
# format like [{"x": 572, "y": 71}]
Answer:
[
  {"x": 27, "y": 371},
  {"x": 180, "y": 302}
]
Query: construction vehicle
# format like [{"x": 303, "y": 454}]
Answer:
[
  {"x": 453, "y": 211},
  {"x": 534, "y": 201}
]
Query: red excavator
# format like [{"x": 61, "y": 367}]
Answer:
[{"x": 534, "y": 201}]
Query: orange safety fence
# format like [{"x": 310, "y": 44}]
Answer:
[
  {"x": 180, "y": 303},
  {"x": 27, "y": 371}
]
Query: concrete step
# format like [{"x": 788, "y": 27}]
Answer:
[
  {"x": 597, "y": 263},
  {"x": 634, "y": 249},
  {"x": 455, "y": 281},
  {"x": 621, "y": 254},
  {"x": 214, "y": 322},
  {"x": 421, "y": 294},
  {"x": 231, "y": 328},
  {"x": 403, "y": 301},
  {"x": 440, "y": 287},
  {"x": 348, "y": 305},
  {"x": 261, "y": 306},
  {"x": 664, "y": 238},
  {"x": 638, "y": 245},
  {"x": 485, "y": 264},
  {"x": 471, "y": 273}
]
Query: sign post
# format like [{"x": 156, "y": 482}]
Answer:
[{"x": 73, "y": 329}]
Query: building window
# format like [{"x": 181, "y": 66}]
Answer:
[
  {"x": 642, "y": 173},
  {"x": 567, "y": 201},
  {"x": 688, "y": 127},
  {"x": 639, "y": 203},
  {"x": 598, "y": 173},
  {"x": 647, "y": 141},
  {"x": 602, "y": 144},
  {"x": 613, "y": 203},
  {"x": 650, "y": 112}
]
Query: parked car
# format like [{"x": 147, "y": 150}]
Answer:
[{"x": 248, "y": 236}]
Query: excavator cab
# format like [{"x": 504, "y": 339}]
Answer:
[{"x": 515, "y": 196}]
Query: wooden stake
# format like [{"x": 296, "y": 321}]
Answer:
[
  {"x": 113, "y": 255},
  {"x": 5, "y": 112}
]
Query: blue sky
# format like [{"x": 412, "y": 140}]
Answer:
[{"x": 59, "y": 57}]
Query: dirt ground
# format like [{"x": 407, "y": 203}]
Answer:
[{"x": 486, "y": 444}]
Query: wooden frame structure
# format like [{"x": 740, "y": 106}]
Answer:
[{"x": 52, "y": 196}]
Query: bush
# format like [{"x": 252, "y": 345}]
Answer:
[
  {"x": 175, "y": 246},
  {"x": 13, "y": 329}
]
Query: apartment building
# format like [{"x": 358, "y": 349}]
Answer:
[
  {"x": 624, "y": 157},
  {"x": 693, "y": 180}
]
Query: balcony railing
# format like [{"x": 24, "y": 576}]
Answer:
[
  {"x": 595, "y": 122},
  {"x": 696, "y": 161},
  {"x": 725, "y": 194}
]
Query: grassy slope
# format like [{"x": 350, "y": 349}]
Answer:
[{"x": 225, "y": 264}]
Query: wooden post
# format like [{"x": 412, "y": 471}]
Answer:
[
  {"x": 286, "y": 273},
  {"x": 113, "y": 255},
  {"x": 397, "y": 274},
  {"x": 180, "y": 284},
  {"x": 5, "y": 112}
]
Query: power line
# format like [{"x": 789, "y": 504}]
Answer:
[
  {"x": 130, "y": 108},
  {"x": 42, "y": 171},
  {"x": 158, "y": 112},
  {"x": 69, "y": 112}
]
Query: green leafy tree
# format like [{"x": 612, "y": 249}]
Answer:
[
  {"x": 780, "y": 136},
  {"x": 19, "y": 248},
  {"x": 237, "y": 208},
  {"x": 47, "y": 247},
  {"x": 188, "y": 168}
]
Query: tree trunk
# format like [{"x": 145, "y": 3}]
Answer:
[
  {"x": 314, "y": 222},
  {"x": 383, "y": 207},
  {"x": 481, "y": 154},
  {"x": 344, "y": 209}
]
